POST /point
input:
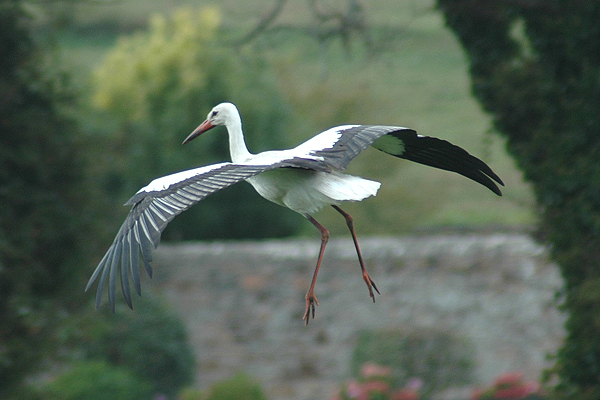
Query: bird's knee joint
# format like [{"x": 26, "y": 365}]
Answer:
[{"x": 350, "y": 222}]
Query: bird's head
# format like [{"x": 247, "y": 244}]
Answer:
[{"x": 222, "y": 114}]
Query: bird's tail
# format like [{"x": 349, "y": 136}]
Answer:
[{"x": 343, "y": 187}]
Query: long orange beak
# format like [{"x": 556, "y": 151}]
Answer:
[{"x": 203, "y": 127}]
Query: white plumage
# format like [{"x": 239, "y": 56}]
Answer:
[{"x": 304, "y": 179}]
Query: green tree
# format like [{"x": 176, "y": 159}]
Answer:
[
  {"x": 44, "y": 197},
  {"x": 535, "y": 66},
  {"x": 160, "y": 85}
]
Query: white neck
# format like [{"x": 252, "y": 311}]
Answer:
[{"x": 237, "y": 146}]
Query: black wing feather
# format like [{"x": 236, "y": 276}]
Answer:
[{"x": 444, "y": 155}]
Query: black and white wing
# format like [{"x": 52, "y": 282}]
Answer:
[
  {"x": 155, "y": 205},
  {"x": 440, "y": 154},
  {"x": 339, "y": 145}
]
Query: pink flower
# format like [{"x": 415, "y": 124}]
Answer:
[
  {"x": 405, "y": 394},
  {"x": 370, "y": 370},
  {"x": 533, "y": 387},
  {"x": 477, "y": 393},
  {"x": 355, "y": 390},
  {"x": 376, "y": 386},
  {"x": 509, "y": 386},
  {"x": 519, "y": 391},
  {"x": 509, "y": 379}
]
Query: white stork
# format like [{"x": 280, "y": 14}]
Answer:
[{"x": 304, "y": 179}]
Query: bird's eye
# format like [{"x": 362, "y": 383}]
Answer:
[{"x": 214, "y": 114}]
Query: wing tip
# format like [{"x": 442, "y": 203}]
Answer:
[
  {"x": 89, "y": 284},
  {"x": 493, "y": 181},
  {"x": 496, "y": 190}
]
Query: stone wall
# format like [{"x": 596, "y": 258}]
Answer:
[{"x": 243, "y": 303}]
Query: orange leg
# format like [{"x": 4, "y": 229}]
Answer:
[
  {"x": 311, "y": 299},
  {"x": 350, "y": 222}
]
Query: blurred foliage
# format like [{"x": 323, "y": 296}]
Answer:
[
  {"x": 51, "y": 226},
  {"x": 376, "y": 383},
  {"x": 436, "y": 358},
  {"x": 48, "y": 205},
  {"x": 159, "y": 85},
  {"x": 97, "y": 380},
  {"x": 190, "y": 394},
  {"x": 151, "y": 342},
  {"x": 510, "y": 386},
  {"x": 239, "y": 387},
  {"x": 535, "y": 67},
  {"x": 147, "y": 75}
]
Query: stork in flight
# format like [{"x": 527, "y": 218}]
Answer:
[{"x": 304, "y": 179}]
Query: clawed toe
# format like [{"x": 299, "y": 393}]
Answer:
[
  {"x": 371, "y": 285},
  {"x": 311, "y": 303}
]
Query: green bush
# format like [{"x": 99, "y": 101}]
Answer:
[
  {"x": 160, "y": 85},
  {"x": 436, "y": 358},
  {"x": 535, "y": 69},
  {"x": 96, "y": 380},
  {"x": 239, "y": 387},
  {"x": 191, "y": 394},
  {"x": 151, "y": 342},
  {"x": 47, "y": 206}
]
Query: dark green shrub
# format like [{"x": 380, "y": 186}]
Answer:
[
  {"x": 191, "y": 394},
  {"x": 151, "y": 342},
  {"x": 46, "y": 202},
  {"x": 240, "y": 387},
  {"x": 535, "y": 68},
  {"x": 96, "y": 380},
  {"x": 438, "y": 359}
]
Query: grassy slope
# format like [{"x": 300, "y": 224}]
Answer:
[{"x": 422, "y": 83}]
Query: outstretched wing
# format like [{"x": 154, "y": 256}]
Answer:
[
  {"x": 339, "y": 145},
  {"x": 155, "y": 205},
  {"x": 440, "y": 154}
]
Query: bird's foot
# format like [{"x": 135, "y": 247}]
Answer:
[
  {"x": 371, "y": 285},
  {"x": 311, "y": 303}
]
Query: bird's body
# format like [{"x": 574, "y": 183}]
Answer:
[
  {"x": 300, "y": 189},
  {"x": 305, "y": 179},
  {"x": 306, "y": 191}
]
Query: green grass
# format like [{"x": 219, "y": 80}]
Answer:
[{"x": 422, "y": 83}]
